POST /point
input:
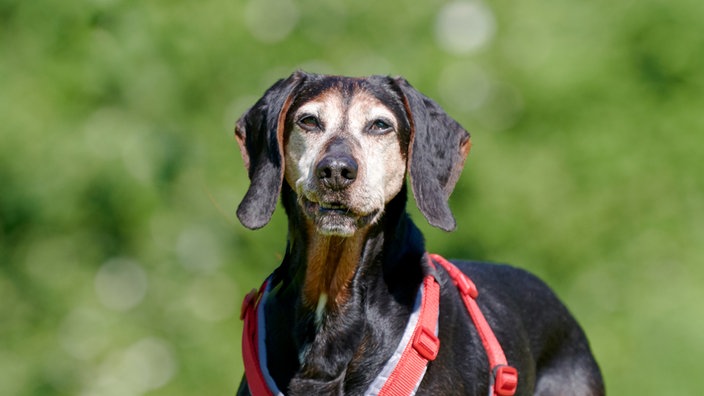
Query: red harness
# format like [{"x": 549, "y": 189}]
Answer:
[{"x": 422, "y": 347}]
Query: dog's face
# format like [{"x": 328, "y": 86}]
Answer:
[
  {"x": 344, "y": 145},
  {"x": 343, "y": 156}
]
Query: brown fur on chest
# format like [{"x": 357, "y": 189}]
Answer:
[{"x": 331, "y": 264}]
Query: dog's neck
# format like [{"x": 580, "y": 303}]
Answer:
[
  {"x": 327, "y": 288},
  {"x": 322, "y": 265},
  {"x": 330, "y": 265}
]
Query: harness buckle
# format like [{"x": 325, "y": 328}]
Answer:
[
  {"x": 426, "y": 343},
  {"x": 466, "y": 286},
  {"x": 505, "y": 380}
]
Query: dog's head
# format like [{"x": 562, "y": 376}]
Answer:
[{"x": 345, "y": 145}]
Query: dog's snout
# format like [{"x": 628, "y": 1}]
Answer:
[{"x": 337, "y": 171}]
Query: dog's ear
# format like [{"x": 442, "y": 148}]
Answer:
[
  {"x": 437, "y": 150},
  {"x": 259, "y": 133}
]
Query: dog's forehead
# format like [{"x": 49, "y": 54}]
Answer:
[{"x": 361, "y": 94}]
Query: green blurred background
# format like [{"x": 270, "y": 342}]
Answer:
[{"x": 122, "y": 265}]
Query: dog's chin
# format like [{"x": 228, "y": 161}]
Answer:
[
  {"x": 333, "y": 219},
  {"x": 336, "y": 225}
]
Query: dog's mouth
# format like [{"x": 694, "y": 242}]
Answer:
[
  {"x": 327, "y": 207},
  {"x": 336, "y": 218},
  {"x": 334, "y": 208}
]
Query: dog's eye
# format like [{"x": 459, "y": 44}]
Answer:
[
  {"x": 309, "y": 123},
  {"x": 380, "y": 127}
]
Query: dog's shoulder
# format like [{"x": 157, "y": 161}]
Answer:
[
  {"x": 506, "y": 281},
  {"x": 513, "y": 298}
]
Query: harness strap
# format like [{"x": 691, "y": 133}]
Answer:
[
  {"x": 424, "y": 347},
  {"x": 504, "y": 378},
  {"x": 250, "y": 343}
]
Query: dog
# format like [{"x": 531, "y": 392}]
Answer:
[{"x": 330, "y": 319}]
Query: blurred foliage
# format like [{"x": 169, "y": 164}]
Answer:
[{"x": 122, "y": 264}]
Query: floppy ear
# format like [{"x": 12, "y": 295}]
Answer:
[
  {"x": 437, "y": 150},
  {"x": 259, "y": 133}
]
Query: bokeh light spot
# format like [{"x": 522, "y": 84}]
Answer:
[
  {"x": 84, "y": 333},
  {"x": 120, "y": 284},
  {"x": 149, "y": 363},
  {"x": 212, "y": 298},
  {"x": 271, "y": 21},
  {"x": 464, "y": 27},
  {"x": 464, "y": 86},
  {"x": 146, "y": 365},
  {"x": 198, "y": 249}
]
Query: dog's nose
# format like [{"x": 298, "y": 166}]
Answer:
[{"x": 336, "y": 171}]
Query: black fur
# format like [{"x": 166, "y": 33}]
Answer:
[
  {"x": 439, "y": 147},
  {"x": 258, "y": 132},
  {"x": 539, "y": 336}
]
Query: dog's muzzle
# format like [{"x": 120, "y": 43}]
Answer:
[{"x": 329, "y": 206}]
